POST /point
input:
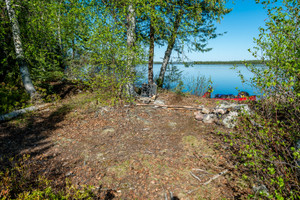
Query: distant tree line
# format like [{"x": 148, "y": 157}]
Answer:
[
  {"x": 219, "y": 62},
  {"x": 230, "y": 62}
]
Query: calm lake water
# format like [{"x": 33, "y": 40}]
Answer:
[{"x": 225, "y": 80}]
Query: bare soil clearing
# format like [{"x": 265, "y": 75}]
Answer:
[{"x": 131, "y": 152}]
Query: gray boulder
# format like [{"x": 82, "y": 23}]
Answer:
[
  {"x": 205, "y": 111},
  {"x": 159, "y": 102},
  {"x": 244, "y": 108},
  {"x": 229, "y": 120},
  {"x": 145, "y": 100},
  {"x": 209, "y": 118},
  {"x": 219, "y": 111},
  {"x": 235, "y": 107},
  {"x": 198, "y": 116}
]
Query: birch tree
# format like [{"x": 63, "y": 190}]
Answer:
[
  {"x": 27, "y": 82},
  {"x": 131, "y": 38}
]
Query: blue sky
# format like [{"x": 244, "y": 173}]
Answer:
[{"x": 241, "y": 25}]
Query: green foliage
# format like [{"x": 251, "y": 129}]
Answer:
[
  {"x": 16, "y": 182},
  {"x": 278, "y": 45},
  {"x": 265, "y": 142},
  {"x": 266, "y": 153},
  {"x": 67, "y": 40},
  {"x": 173, "y": 76},
  {"x": 179, "y": 88},
  {"x": 12, "y": 97},
  {"x": 107, "y": 87},
  {"x": 75, "y": 39},
  {"x": 199, "y": 85},
  {"x": 196, "y": 23}
]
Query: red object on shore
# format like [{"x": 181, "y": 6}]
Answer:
[
  {"x": 251, "y": 98},
  {"x": 207, "y": 95}
]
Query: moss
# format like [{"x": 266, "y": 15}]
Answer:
[{"x": 190, "y": 141}]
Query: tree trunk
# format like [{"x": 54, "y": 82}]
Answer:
[
  {"x": 151, "y": 55},
  {"x": 168, "y": 52},
  {"x": 73, "y": 48},
  {"x": 19, "y": 51},
  {"x": 59, "y": 28},
  {"x": 131, "y": 26}
]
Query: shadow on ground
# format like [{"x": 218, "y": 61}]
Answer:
[{"x": 31, "y": 134}]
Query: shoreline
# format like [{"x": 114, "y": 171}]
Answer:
[{"x": 217, "y": 62}]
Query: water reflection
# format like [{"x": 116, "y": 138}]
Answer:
[{"x": 225, "y": 80}]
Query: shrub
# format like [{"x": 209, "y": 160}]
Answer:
[
  {"x": 16, "y": 182},
  {"x": 12, "y": 97},
  {"x": 173, "y": 77},
  {"x": 198, "y": 85},
  {"x": 266, "y": 153},
  {"x": 265, "y": 144}
]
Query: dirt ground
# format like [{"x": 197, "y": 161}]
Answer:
[{"x": 126, "y": 152}]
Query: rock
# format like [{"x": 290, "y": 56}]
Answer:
[
  {"x": 102, "y": 111},
  {"x": 209, "y": 118},
  {"x": 108, "y": 130},
  {"x": 201, "y": 106},
  {"x": 219, "y": 111},
  {"x": 244, "y": 108},
  {"x": 153, "y": 97},
  {"x": 261, "y": 189},
  {"x": 226, "y": 105},
  {"x": 198, "y": 116},
  {"x": 236, "y": 107},
  {"x": 219, "y": 122},
  {"x": 159, "y": 102},
  {"x": 145, "y": 100},
  {"x": 229, "y": 121},
  {"x": 205, "y": 111}
]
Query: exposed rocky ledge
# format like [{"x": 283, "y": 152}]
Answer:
[{"x": 225, "y": 114}]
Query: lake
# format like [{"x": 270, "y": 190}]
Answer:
[{"x": 225, "y": 80}]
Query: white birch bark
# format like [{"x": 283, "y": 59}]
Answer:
[
  {"x": 131, "y": 26},
  {"x": 16, "y": 113},
  {"x": 59, "y": 27},
  {"x": 19, "y": 50}
]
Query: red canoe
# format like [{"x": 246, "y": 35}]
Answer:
[{"x": 251, "y": 98}]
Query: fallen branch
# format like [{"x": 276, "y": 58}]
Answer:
[
  {"x": 210, "y": 180},
  {"x": 201, "y": 170},
  {"x": 196, "y": 177},
  {"x": 16, "y": 113},
  {"x": 216, "y": 176},
  {"x": 170, "y": 106}
]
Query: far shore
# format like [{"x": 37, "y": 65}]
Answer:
[{"x": 218, "y": 62}]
